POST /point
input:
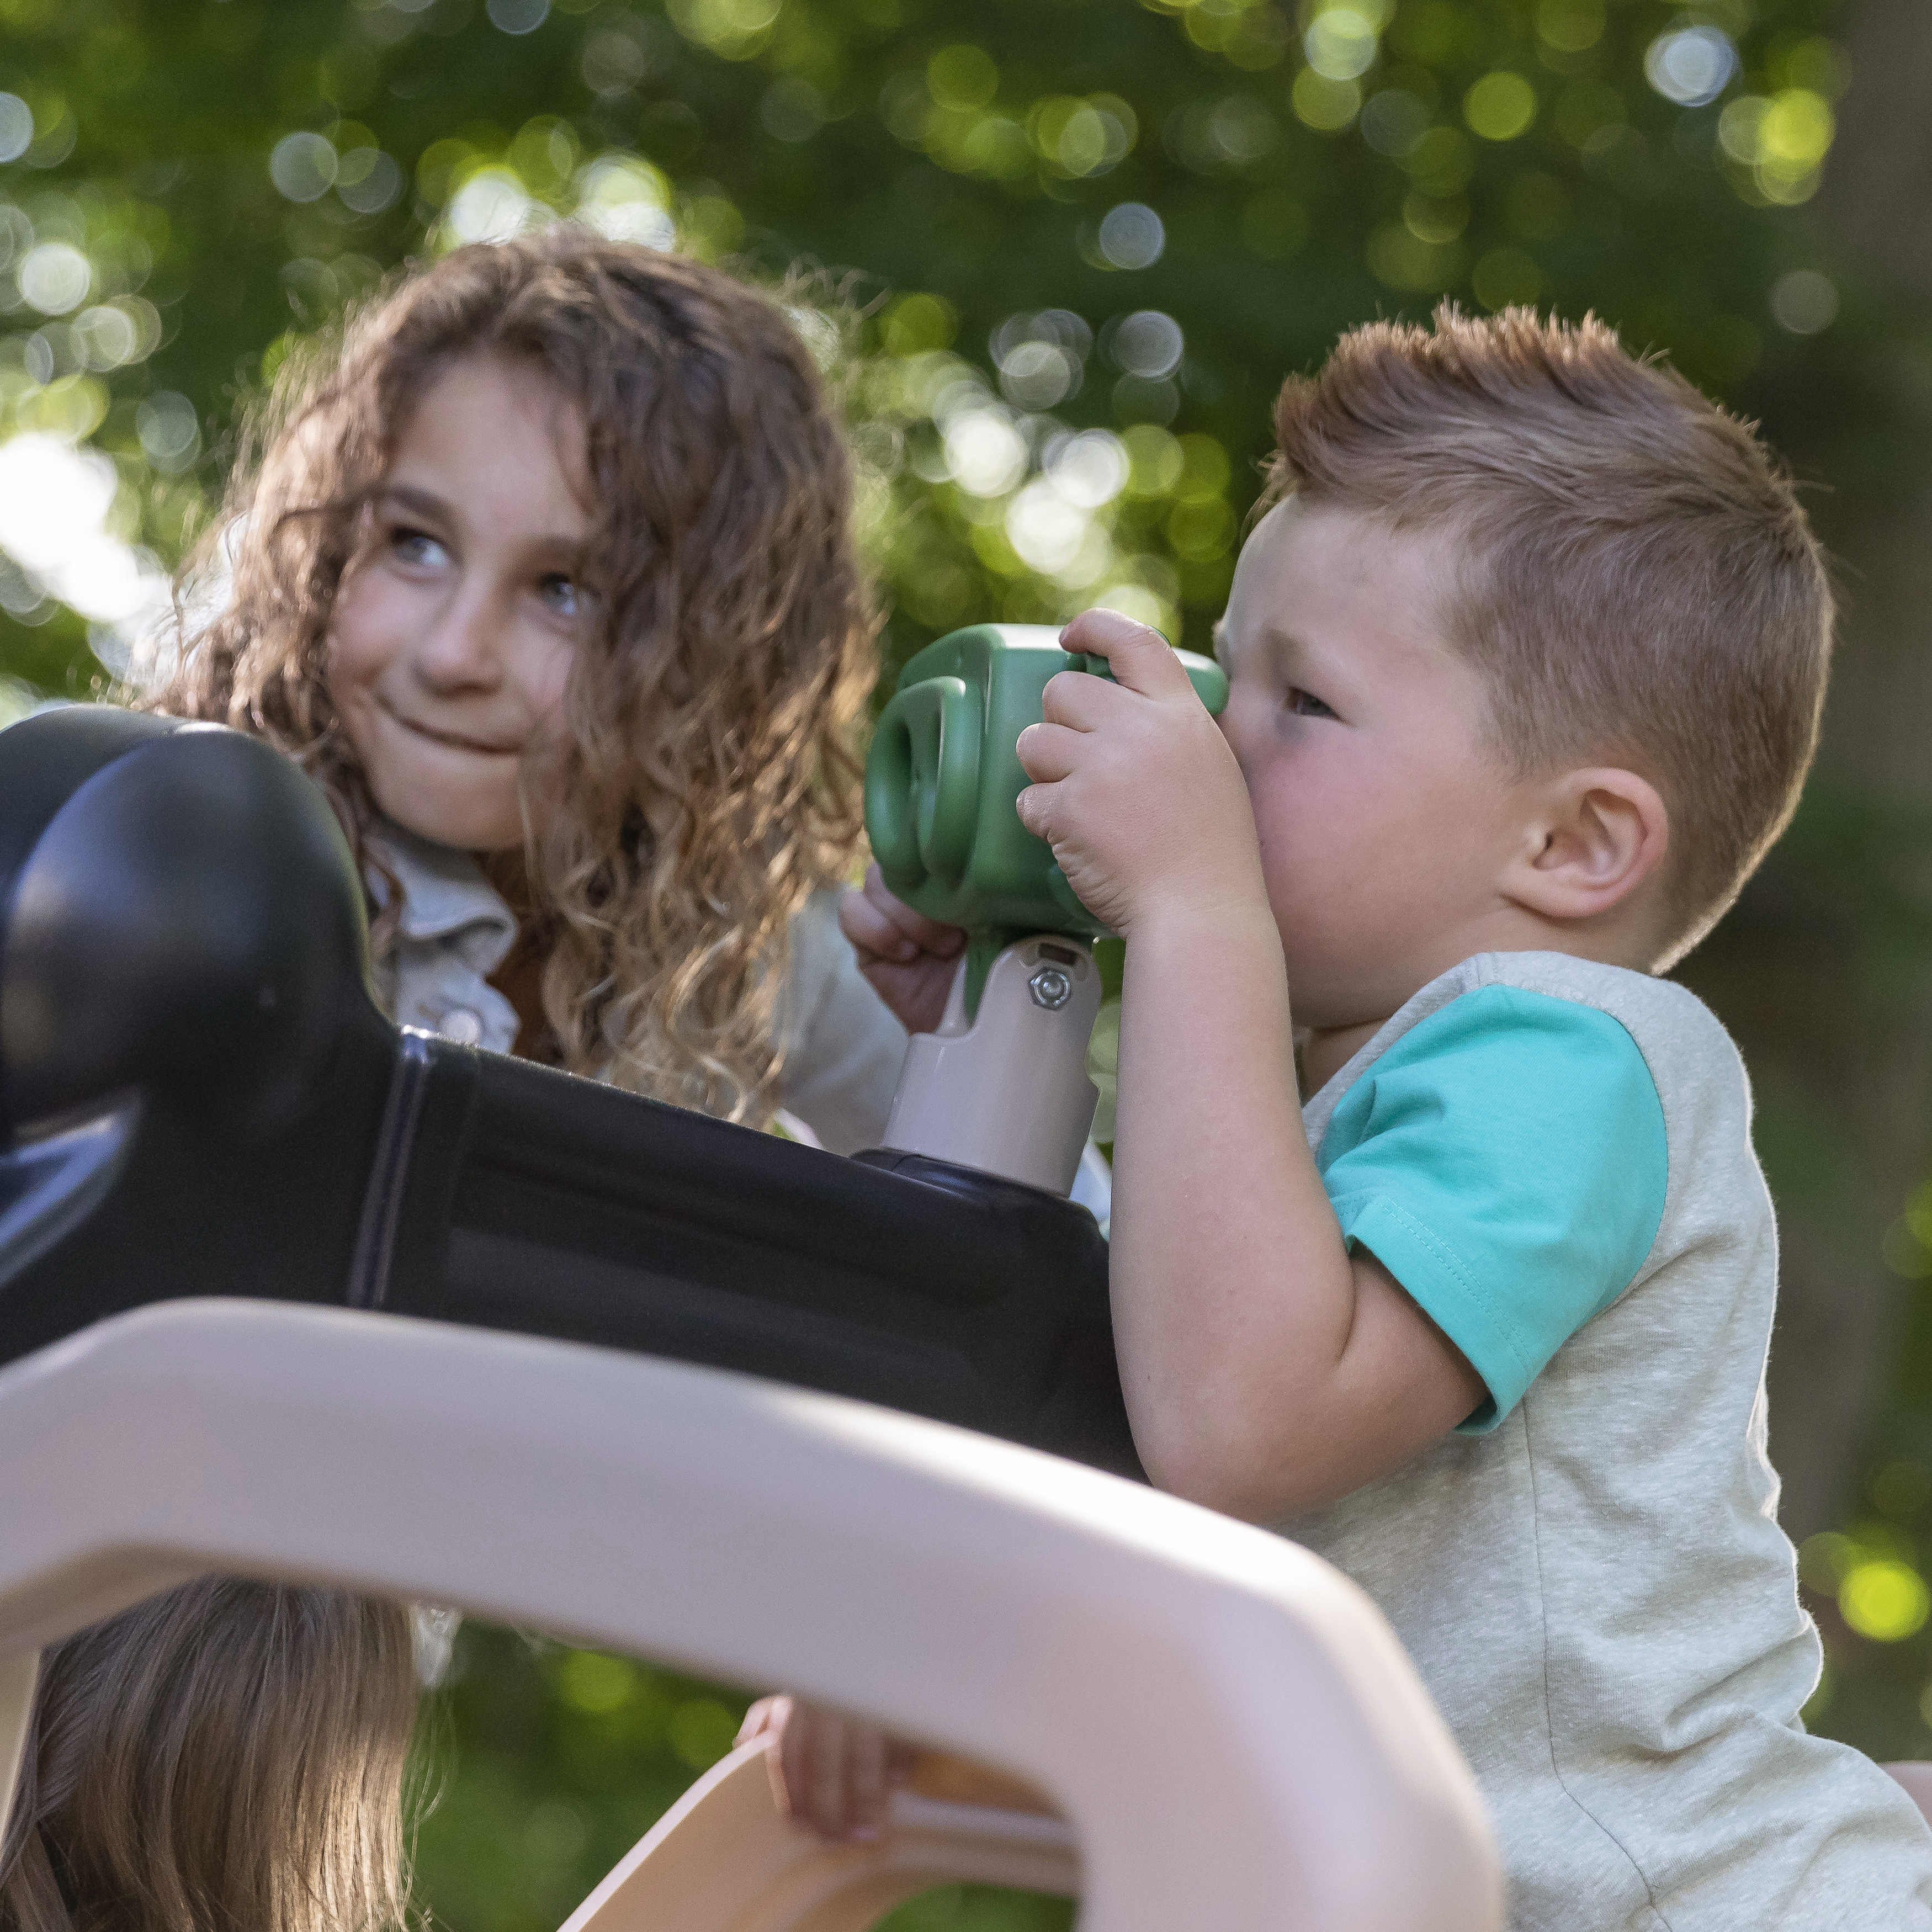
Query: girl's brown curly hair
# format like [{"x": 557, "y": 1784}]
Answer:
[{"x": 710, "y": 781}]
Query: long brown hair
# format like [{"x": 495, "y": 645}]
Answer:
[
  {"x": 710, "y": 781},
  {"x": 226, "y": 1757}
]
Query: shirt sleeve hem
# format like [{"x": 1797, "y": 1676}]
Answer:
[{"x": 1432, "y": 1276}]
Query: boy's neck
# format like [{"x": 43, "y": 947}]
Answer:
[
  {"x": 1324, "y": 1054},
  {"x": 1325, "y": 1051}
]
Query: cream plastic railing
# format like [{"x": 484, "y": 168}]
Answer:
[{"x": 1226, "y": 1726}]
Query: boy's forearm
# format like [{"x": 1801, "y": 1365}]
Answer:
[
  {"x": 1231, "y": 1281},
  {"x": 1266, "y": 1371}
]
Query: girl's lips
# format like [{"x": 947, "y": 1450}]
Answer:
[{"x": 454, "y": 738}]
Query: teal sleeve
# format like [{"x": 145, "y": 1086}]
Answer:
[{"x": 1505, "y": 1160}]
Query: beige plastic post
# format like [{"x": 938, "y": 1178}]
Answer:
[
  {"x": 724, "y": 1859},
  {"x": 18, "y": 1674},
  {"x": 1008, "y": 1093},
  {"x": 1228, "y": 1726}
]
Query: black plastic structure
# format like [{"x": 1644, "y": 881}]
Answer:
[{"x": 199, "y": 1096}]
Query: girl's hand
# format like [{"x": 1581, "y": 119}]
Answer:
[
  {"x": 1134, "y": 787},
  {"x": 909, "y": 959},
  {"x": 831, "y": 1774}
]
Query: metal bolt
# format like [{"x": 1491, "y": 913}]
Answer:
[{"x": 1051, "y": 988}]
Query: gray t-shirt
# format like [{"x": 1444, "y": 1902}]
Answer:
[{"x": 1596, "y": 1589}]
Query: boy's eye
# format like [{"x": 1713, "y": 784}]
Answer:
[
  {"x": 418, "y": 547},
  {"x": 565, "y": 597},
  {"x": 1305, "y": 704}
]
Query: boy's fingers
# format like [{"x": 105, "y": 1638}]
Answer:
[
  {"x": 1077, "y": 698},
  {"x": 1035, "y": 808},
  {"x": 1048, "y": 752},
  {"x": 1139, "y": 658}
]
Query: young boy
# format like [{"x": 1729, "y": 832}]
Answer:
[{"x": 1527, "y": 660}]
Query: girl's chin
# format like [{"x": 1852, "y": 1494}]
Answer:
[{"x": 460, "y": 826}]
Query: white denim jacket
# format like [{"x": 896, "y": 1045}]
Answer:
[{"x": 843, "y": 1047}]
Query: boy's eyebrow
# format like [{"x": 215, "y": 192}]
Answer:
[{"x": 1285, "y": 647}]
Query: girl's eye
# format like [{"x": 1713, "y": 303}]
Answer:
[
  {"x": 564, "y": 597},
  {"x": 418, "y": 547},
  {"x": 1305, "y": 704}
]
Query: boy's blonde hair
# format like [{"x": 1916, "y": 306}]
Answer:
[
  {"x": 225, "y": 1757},
  {"x": 710, "y": 782},
  {"x": 1639, "y": 584}
]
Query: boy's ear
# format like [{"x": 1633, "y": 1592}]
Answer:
[{"x": 1598, "y": 834}]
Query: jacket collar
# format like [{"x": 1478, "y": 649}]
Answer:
[{"x": 445, "y": 895}]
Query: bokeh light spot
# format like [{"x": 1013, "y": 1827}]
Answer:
[
  {"x": 55, "y": 277},
  {"x": 169, "y": 431},
  {"x": 791, "y": 108},
  {"x": 1884, "y": 1599},
  {"x": 1500, "y": 106},
  {"x": 627, "y": 199},
  {"x": 962, "y": 77},
  {"x": 1340, "y": 43},
  {"x": 984, "y": 454},
  {"x": 917, "y": 324},
  {"x": 492, "y": 206},
  {"x": 302, "y": 167},
  {"x": 595, "y": 1684},
  {"x": 1326, "y": 105},
  {"x": 1394, "y": 120},
  {"x": 518, "y": 16},
  {"x": 733, "y": 29},
  {"x": 367, "y": 180},
  {"x": 701, "y": 1732},
  {"x": 1506, "y": 278},
  {"x": 1131, "y": 236},
  {"x": 1570, "y": 26},
  {"x": 1806, "y": 303},
  {"x": 1691, "y": 66},
  {"x": 1154, "y": 461},
  {"x": 1090, "y": 469},
  {"x": 16, "y": 128},
  {"x": 1147, "y": 343}
]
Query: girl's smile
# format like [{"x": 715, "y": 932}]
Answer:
[{"x": 456, "y": 628}]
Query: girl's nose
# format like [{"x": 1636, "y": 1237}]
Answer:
[{"x": 462, "y": 649}]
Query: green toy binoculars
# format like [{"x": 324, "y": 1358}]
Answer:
[{"x": 944, "y": 774}]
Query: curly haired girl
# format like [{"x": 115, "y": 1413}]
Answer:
[{"x": 543, "y": 572}]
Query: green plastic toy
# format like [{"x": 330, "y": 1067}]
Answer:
[{"x": 944, "y": 775}]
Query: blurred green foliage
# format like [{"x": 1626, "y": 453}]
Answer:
[
  {"x": 985, "y": 179},
  {"x": 1089, "y": 238}
]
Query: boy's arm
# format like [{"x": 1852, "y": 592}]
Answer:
[{"x": 1266, "y": 1371}]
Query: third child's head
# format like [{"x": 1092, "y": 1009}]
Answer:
[
  {"x": 1528, "y": 653},
  {"x": 549, "y": 557}
]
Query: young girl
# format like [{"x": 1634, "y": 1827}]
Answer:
[
  {"x": 544, "y": 575},
  {"x": 225, "y": 1755}
]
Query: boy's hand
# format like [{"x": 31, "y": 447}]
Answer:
[
  {"x": 1134, "y": 787},
  {"x": 909, "y": 959},
  {"x": 831, "y": 1774}
]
